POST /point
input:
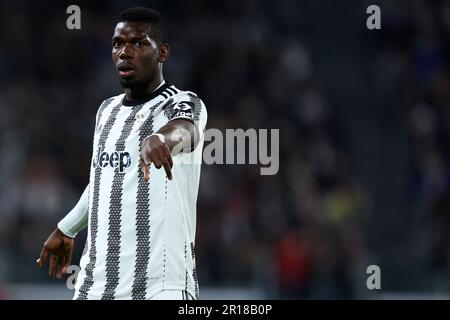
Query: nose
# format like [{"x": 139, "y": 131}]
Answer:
[{"x": 125, "y": 52}]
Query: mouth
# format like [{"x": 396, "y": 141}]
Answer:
[{"x": 125, "y": 69}]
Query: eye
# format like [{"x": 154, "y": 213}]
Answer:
[
  {"x": 116, "y": 44},
  {"x": 140, "y": 43}
]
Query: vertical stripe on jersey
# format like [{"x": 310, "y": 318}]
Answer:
[
  {"x": 186, "y": 276},
  {"x": 194, "y": 272},
  {"x": 139, "y": 287},
  {"x": 102, "y": 107},
  {"x": 89, "y": 279},
  {"x": 115, "y": 209}
]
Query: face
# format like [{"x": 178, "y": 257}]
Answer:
[{"x": 136, "y": 55}]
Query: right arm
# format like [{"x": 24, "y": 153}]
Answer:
[
  {"x": 60, "y": 242},
  {"x": 77, "y": 219}
]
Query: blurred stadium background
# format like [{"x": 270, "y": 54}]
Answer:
[{"x": 364, "y": 120}]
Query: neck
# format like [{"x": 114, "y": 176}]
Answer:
[{"x": 140, "y": 92}]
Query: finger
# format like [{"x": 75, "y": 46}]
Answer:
[
  {"x": 167, "y": 169},
  {"x": 42, "y": 257},
  {"x": 145, "y": 169},
  {"x": 67, "y": 258},
  {"x": 60, "y": 266},
  {"x": 61, "y": 262},
  {"x": 142, "y": 164},
  {"x": 168, "y": 155},
  {"x": 52, "y": 268},
  {"x": 156, "y": 159},
  {"x": 165, "y": 162},
  {"x": 64, "y": 265}
]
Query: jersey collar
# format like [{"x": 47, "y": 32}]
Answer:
[{"x": 163, "y": 86}]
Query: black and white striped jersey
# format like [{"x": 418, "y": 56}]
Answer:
[{"x": 141, "y": 235}]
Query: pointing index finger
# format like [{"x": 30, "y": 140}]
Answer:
[
  {"x": 145, "y": 169},
  {"x": 167, "y": 169}
]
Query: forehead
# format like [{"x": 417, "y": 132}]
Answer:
[{"x": 133, "y": 29}]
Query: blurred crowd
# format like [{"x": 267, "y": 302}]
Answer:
[
  {"x": 423, "y": 99},
  {"x": 311, "y": 230}
]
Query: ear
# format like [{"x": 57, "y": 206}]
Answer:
[{"x": 164, "y": 51}]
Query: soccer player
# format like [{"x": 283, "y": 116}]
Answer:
[{"x": 140, "y": 203}]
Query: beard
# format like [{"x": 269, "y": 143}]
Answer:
[
  {"x": 133, "y": 84},
  {"x": 129, "y": 83}
]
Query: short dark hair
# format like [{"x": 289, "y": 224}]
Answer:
[{"x": 147, "y": 15}]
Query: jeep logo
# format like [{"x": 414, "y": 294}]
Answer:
[{"x": 114, "y": 159}]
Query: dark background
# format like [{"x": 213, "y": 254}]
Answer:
[{"x": 364, "y": 125}]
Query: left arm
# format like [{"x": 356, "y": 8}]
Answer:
[{"x": 179, "y": 135}]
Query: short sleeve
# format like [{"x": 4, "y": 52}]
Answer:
[{"x": 186, "y": 105}]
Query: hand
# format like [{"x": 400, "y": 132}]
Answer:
[
  {"x": 60, "y": 247},
  {"x": 158, "y": 153}
]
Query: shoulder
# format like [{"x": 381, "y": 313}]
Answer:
[
  {"x": 112, "y": 100},
  {"x": 184, "y": 104},
  {"x": 108, "y": 103},
  {"x": 186, "y": 96}
]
